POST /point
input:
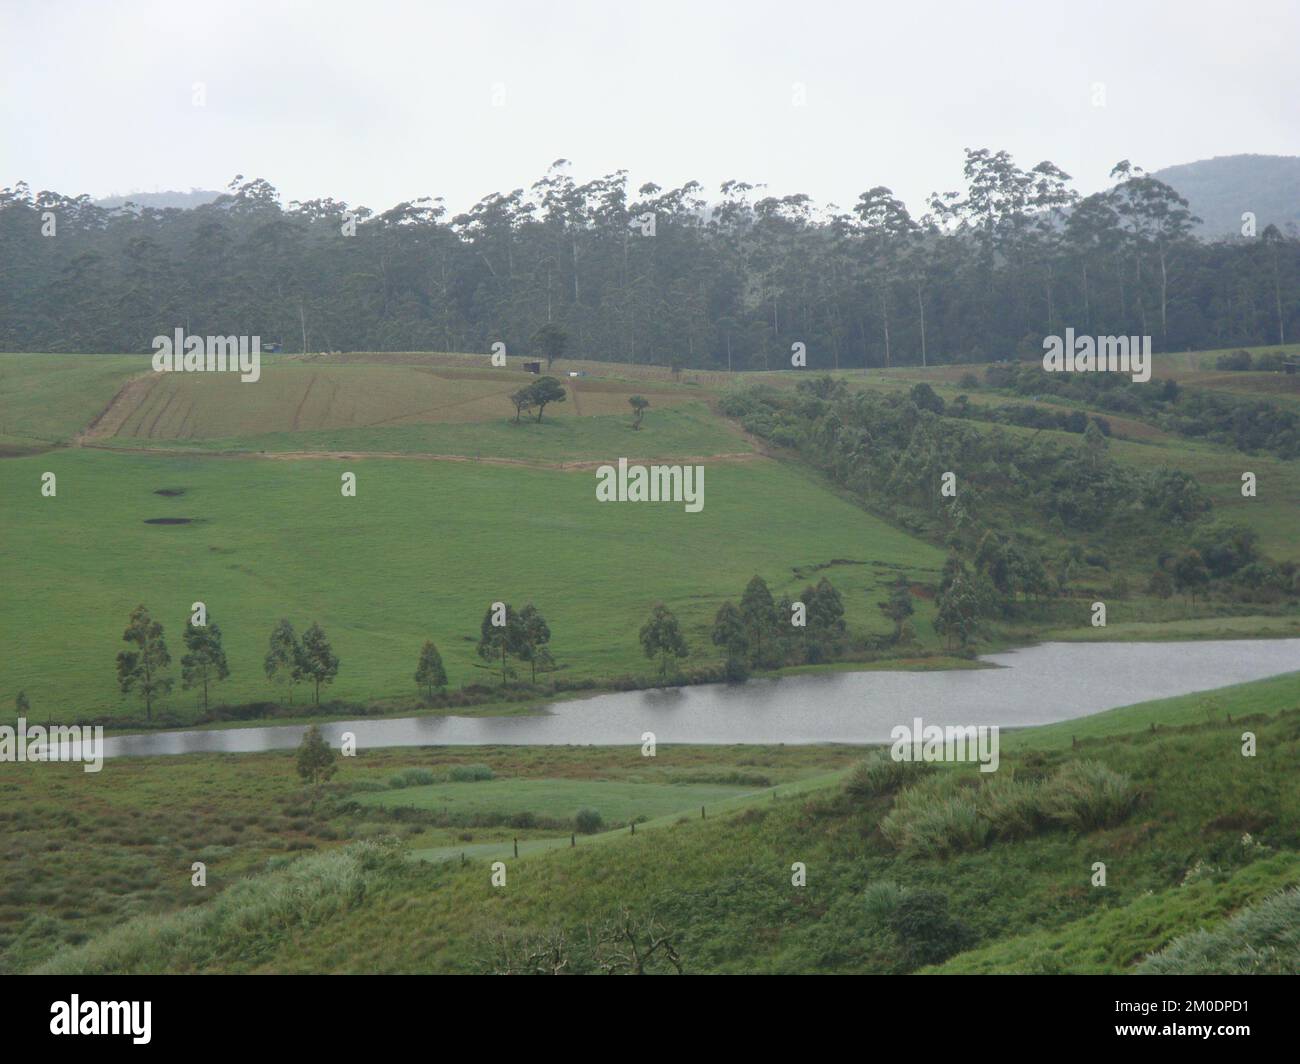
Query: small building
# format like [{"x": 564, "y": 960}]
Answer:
[
  {"x": 1291, "y": 367},
  {"x": 532, "y": 367}
]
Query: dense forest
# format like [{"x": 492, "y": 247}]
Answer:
[{"x": 665, "y": 276}]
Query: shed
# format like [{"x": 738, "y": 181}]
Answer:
[{"x": 532, "y": 367}]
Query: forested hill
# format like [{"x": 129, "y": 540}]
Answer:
[
  {"x": 727, "y": 278},
  {"x": 1220, "y": 190}
]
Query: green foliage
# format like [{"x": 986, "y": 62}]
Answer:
[
  {"x": 501, "y": 634},
  {"x": 533, "y": 636},
  {"x": 879, "y": 774},
  {"x": 1087, "y": 795},
  {"x": 469, "y": 773},
  {"x": 320, "y": 664},
  {"x": 588, "y": 821},
  {"x": 662, "y": 636},
  {"x": 142, "y": 669},
  {"x": 411, "y": 777},
  {"x": 542, "y": 392},
  {"x": 935, "y": 819},
  {"x": 926, "y": 931},
  {"x": 316, "y": 760},
  {"x": 760, "y": 620},
  {"x": 729, "y": 633},
  {"x": 253, "y": 918},
  {"x": 639, "y": 404},
  {"x": 430, "y": 672},
  {"x": 551, "y": 339},
  {"x": 1262, "y": 939},
  {"x": 284, "y": 663},
  {"x": 204, "y": 662}
]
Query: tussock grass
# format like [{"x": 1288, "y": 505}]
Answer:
[
  {"x": 1263, "y": 939},
  {"x": 951, "y": 813},
  {"x": 248, "y": 919}
]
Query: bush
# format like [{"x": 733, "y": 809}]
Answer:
[
  {"x": 934, "y": 819},
  {"x": 588, "y": 821},
  {"x": 880, "y": 774},
  {"x": 1012, "y": 808},
  {"x": 1087, "y": 795},
  {"x": 880, "y": 900},
  {"x": 411, "y": 777},
  {"x": 1238, "y": 360},
  {"x": 470, "y": 773},
  {"x": 926, "y": 932}
]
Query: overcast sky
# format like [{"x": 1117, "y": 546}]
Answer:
[{"x": 382, "y": 101}]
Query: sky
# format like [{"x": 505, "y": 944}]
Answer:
[{"x": 378, "y": 102}]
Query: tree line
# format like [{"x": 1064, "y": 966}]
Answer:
[
  {"x": 1013, "y": 497},
  {"x": 730, "y": 278}
]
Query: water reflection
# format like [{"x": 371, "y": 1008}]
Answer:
[{"x": 1036, "y": 685}]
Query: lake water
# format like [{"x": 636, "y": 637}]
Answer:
[{"x": 1036, "y": 685}]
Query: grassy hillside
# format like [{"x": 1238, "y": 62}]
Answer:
[
  {"x": 419, "y": 553},
  {"x": 1203, "y": 832},
  {"x": 47, "y": 399}
]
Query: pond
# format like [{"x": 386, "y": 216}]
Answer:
[{"x": 1035, "y": 685}]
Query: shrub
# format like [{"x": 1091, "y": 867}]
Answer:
[
  {"x": 1238, "y": 360},
  {"x": 1012, "y": 807},
  {"x": 411, "y": 777},
  {"x": 880, "y": 774},
  {"x": 1087, "y": 795},
  {"x": 926, "y": 932},
  {"x": 880, "y": 900},
  {"x": 934, "y": 819},
  {"x": 470, "y": 773},
  {"x": 588, "y": 821}
]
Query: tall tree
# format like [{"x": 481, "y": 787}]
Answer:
[
  {"x": 534, "y": 635},
  {"x": 320, "y": 665},
  {"x": 729, "y": 633},
  {"x": 497, "y": 641},
  {"x": 430, "y": 672},
  {"x": 141, "y": 669},
  {"x": 758, "y": 612},
  {"x": 284, "y": 662},
  {"x": 662, "y": 636},
  {"x": 551, "y": 340},
  {"x": 204, "y": 662}
]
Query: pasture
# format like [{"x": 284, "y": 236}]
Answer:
[{"x": 419, "y": 553}]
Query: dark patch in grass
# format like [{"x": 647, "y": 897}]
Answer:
[
  {"x": 169, "y": 492},
  {"x": 168, "y": 520}
]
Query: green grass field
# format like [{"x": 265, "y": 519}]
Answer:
[
  {"x": 419, "y": 553},
  {"x": 617, "y": 801}
]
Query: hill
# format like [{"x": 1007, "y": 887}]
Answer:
[
  {"x": 195, "y": 197},
  {"x": 1218, "y": 190}
]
